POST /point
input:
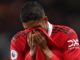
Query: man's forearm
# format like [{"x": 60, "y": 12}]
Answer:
[
  {"x": 48, "y": 53},
  {"x": 33, "y": 53}
]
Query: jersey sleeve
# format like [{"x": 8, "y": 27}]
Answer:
[
  {"x": 66, "y": 43},
  {"x": 71, "y": 49},
  {"x": 28, "y": 57},
  {"x": 17, "y": 47},
  {"x": 54, "y": 58}
]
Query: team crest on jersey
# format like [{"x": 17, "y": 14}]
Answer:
[{"x": 14, "y": 54}]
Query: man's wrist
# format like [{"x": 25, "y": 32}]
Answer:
[
  {"x": 32, "y": 52},
  {"x": 49, "y": 54}
]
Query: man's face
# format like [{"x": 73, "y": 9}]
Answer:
[{"x": 38, "y": 23}]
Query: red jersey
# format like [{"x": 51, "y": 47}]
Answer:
[{"x": 64, "y": 44}]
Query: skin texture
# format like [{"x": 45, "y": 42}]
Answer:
[{"x": 36, "y": 37}]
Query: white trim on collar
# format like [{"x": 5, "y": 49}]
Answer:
[{"x": 50, "y": 27}]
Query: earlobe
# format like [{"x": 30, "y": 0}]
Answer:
[
  {"x": 24, "y": 25},
  {"x": 46, "y": 18}
]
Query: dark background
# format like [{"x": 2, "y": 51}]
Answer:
[{"x": 62, "y": 12}]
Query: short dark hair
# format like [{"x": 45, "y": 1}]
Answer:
[{"x": 31, "y": 10}]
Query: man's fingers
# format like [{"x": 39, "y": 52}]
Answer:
[
  {"x": 30, "y": 38},
  {"x": 35, "y": 37},
  {"x": 29, "y": 35},
  {"x": 40, "y": 38}
]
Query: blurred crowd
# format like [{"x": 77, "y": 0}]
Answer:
[{"x": 62, "y": 12}]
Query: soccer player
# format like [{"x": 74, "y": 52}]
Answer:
[{"x": 41, "y": 40}]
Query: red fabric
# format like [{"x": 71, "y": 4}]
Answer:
[
  {"x": 62, "y": 43},
  {"x": 39, "y": 54},
  {"x": 28, "y": 57},
  {"x": 54, "y": 58}
]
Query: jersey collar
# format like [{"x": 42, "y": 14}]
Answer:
[{"x": 50, "y": 27}]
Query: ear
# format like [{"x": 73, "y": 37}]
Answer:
[
  {"x": 45, "y": 18},
  {"x": 24, "y": 25}
]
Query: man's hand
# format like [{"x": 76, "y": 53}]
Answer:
[
  {"x": 38, "y": 38},
  {"x": 31, "y": 43},
  {"x": 42, "y": 42},
  {"x": 41, "y": 39}
]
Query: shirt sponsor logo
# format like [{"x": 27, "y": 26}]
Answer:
[
  {"x": 14, "y": 54},
  {"x": 73, "y": 43}
]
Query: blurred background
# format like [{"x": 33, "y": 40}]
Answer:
[{"x": 62, "y": 12}]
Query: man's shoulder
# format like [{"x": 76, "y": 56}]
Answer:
[
  {"x": 18, "y": 41},
  {"x": 62, "y": 34},
  {"x": 61, "y": 28}
]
